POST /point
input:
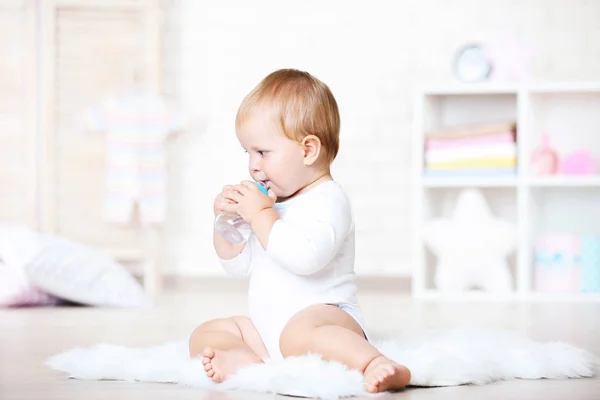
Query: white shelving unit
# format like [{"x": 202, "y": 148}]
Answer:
[
  {"x": 570, "y": 114},
  {"x": 72, "y": 160}
]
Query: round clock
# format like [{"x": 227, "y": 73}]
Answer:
[{"x": 471, "y": 64}]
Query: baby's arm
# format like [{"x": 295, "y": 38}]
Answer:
[
  {"x": 234, "y": 258},
  {"x": 226, "y": 250},
  {"x": 307, "y": 242},
  {"x": 262, "y": 224}
]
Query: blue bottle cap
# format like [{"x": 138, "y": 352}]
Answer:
[{"x": 262, "y": 188}]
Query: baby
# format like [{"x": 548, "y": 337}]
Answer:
[{"x": 300, "y": 258}]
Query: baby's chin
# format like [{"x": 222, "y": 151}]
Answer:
[
  {"x": 280, "y": 196},
  {"x": 285, "y": 196}
]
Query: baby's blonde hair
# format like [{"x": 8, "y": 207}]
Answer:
[{"x": 303, "y": 106}]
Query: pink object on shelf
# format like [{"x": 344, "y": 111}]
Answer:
[
  {"x": 451, "y": 143},
  {"x": 544, "y": 160},
  {"x": 557, "y": 268},
  {"x": 580, "y": 162}
]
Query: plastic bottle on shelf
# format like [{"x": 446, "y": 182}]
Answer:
[{"x": 544, "y": 159}]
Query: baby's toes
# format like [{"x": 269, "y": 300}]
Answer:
[
  {"x": 371, "y": 388},
  {"x": 207, "y": 366},
  {"x": 208, "y": 352},
  {"x": 210, "y": 373}
]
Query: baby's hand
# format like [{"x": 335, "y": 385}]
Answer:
[
  {"x": 224, "y": 198},
  {"x": 248, "y": 200}
]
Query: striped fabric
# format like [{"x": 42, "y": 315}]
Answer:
[{"x": 136, "y": 128}]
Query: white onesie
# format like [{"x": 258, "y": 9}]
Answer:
[{"x": 309, "y": 260}]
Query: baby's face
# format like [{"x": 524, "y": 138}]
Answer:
[{"x": 273, "y": 158}]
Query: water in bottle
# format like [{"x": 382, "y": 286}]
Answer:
[{"x": 232, "y": 227}]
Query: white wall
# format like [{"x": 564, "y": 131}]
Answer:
[{"x": 372, "y": 54}]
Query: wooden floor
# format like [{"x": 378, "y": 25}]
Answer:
[{"x": 29, "y": 336}]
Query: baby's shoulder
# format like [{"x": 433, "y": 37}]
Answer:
[
  {"x": 333, "y": 194},
  {"x": 329, "y": 198}
]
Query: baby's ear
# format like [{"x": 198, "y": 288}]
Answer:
[{"x": 312, "y": 149}]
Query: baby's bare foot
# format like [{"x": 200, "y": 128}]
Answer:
[
  {"x": 220, "y": 364},
  {"x": 384, "y": 374}
]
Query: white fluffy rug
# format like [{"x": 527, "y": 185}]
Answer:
[{"x": 435, "y": 359}]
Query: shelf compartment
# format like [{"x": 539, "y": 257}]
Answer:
[
  {"x": 441, "y": 202},
  {"x": 565, "y": 216},
  {"x": 571, "y": 120}
]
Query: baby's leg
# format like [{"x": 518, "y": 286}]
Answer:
[
  {"x": 334, "y": 334},
  {"x": 226, "y": 345}
]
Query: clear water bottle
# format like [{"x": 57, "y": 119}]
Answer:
[{"x": 232, "y": 227}]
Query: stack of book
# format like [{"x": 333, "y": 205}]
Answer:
[{"x": 472, "y": 151}]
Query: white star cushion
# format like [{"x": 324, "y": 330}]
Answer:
[{"x": 471, "y": 247}]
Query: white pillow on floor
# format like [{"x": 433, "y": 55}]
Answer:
[
  {"x": 81, "y": 274},
  {"x": 18, "y": 245},
  {"x": 17, "y": 291}
]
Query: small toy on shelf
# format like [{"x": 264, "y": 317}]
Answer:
[
  {"x": 544, "y": 160},
  {"x": 567, "y": 263},
  {"x": 590, "y": 264},
  {"x": 580, "y": 162},
  {"x": 556, "y": 265}
]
